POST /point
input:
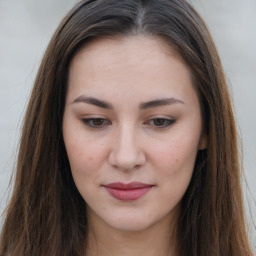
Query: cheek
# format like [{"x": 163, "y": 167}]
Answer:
[
  {"x": 86, "y": 158},
  {"x": 175, "y": 159},
  {"x": 85, "y": 155},
  {"x": 174, "y": 165},
  {"x": 176, "y": 153}
]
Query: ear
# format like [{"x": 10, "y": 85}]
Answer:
[{"x": 203, "y": 142}]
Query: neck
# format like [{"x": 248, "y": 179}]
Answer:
[{"x": 157, "y": 240}]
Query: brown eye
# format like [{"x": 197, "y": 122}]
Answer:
[
  {"x": 161, "y": 122},
  {"x": 96, "y": 122}
]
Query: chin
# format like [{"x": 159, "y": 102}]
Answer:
[{"x": 131, "y": 225}]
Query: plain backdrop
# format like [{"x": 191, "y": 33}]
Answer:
[{"x": 26, "y": 27}]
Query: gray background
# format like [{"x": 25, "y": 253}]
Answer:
[{"x": 26, "y": 27}]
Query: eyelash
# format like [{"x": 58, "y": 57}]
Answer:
[
  {"x": 157, "y": 123},
  {"x": 162, "y": 122},
  {"x": 90, "y": 122}
]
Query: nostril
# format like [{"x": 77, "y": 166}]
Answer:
[{"x": 126, "y": 160}]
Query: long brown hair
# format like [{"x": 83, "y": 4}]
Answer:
[{"x": 46, "y": 214}]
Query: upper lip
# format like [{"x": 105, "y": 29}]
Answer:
[{"x": 131, "y": 185}]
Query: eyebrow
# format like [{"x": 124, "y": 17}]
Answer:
[
  {"x": 159, "y": 102},
  {"x": 93, "y": 101},
  {"x": 144, "y": 105}
]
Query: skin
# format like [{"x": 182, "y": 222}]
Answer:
[{"x": 131, "y": 141}]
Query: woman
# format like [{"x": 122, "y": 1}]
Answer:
[{"x": 129, "y": 142}]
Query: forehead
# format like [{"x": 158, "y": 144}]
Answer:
[
  {"x": 127, "y": 65},
  {"x": 100, "y": 48}
]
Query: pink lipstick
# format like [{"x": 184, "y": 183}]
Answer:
[{"x": 128, "y": 192}]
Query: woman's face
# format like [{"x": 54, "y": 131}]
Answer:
[{"x": 132, "y": 128}]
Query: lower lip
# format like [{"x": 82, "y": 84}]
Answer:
[{"x": 128, "y": 194}]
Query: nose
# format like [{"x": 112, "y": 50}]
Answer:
[{"x": 126, "y": 154}]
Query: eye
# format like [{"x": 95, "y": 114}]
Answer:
[
  {"x": 96, "y": 122},
  {"x": 161, "y": 122}
]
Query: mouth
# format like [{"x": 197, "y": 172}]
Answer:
[{"x": 128, "y": 192}]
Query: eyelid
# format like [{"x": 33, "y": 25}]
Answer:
[
  {"x": 168, "y": 121},
  {"x": 89, "y": 122}
]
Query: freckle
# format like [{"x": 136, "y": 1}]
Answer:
[{"x": 90, "y": 158}]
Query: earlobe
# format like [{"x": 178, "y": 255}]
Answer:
[{"x": 203, "y": 142}]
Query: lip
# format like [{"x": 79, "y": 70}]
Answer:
[{"x": 128, "y": 192}]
